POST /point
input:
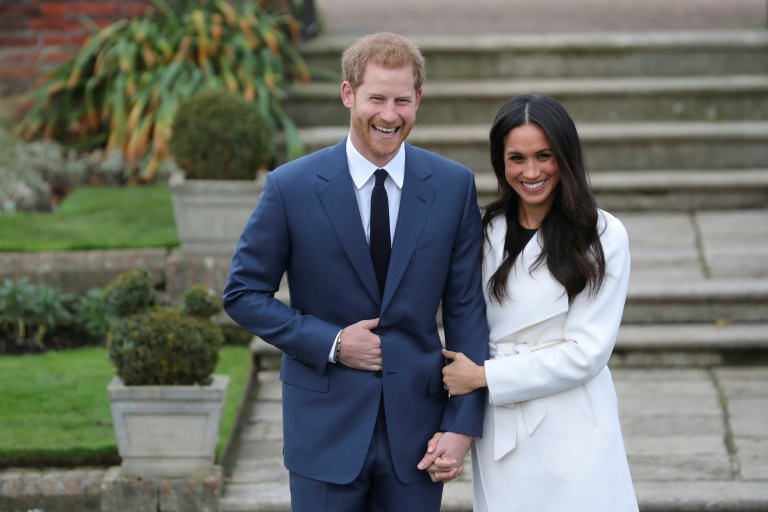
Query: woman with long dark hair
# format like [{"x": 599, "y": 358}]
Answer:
[{"x": 555, "y": 272}]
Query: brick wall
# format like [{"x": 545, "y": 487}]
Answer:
[{"x": 29, "y": 26}]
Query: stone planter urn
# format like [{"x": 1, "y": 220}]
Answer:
[
  {"x": 167, "y": 431},
  {"x": 210, "y": 214}
]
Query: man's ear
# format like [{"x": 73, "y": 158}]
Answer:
[
  {"x": 418, "y": 97},
  {"x": 347, "y": 95}
]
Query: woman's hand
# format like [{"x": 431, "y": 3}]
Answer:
[
  {"x": 462, "y": 376},
  {"x": 440, "y": 466}
]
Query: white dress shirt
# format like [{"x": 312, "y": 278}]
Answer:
[
  {"x": 362, "y": 175},
  {"x": 362, "y": 171}
]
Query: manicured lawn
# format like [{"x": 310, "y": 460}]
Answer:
[
  {"x": 96, "y": 218},
  {"x": 54, "y": 409}
]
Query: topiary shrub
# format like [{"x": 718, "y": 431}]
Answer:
[
  {"x": 201, "y": 302},
  {"x": 218, "y": 135},
  {"x": 162, "y": 345},
  {"x": 236, "y": 335},
  {"x": 129, "y": 293}
]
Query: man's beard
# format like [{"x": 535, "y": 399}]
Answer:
[{"x": 377, "y": 147}]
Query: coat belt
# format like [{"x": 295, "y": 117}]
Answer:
[{"x": 505, "y": 416}]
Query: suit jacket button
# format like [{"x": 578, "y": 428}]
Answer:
[
  {"x": 378, "y": 374},
  {"x": 383, "y": 331}
]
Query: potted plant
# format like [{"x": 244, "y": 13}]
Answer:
[
  {"x": 220, "y": 143},
  {"x": 166, "y": 404}
]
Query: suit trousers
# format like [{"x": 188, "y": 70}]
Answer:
[{"x": 376, "y": 488}]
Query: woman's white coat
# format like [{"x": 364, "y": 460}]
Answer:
[{"x": 552, "y": 439}]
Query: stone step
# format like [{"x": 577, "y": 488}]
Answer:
[
  {"x": 665, "y": 190},
  {"x": 686, "y": 248},
  {"x": 676, "y": 301},
  {"x": 691, "y": 345},
  {"x": 573, "y": 55},
  {"x": 689, "y": 98},
  {"x": 607, "y": 146}
]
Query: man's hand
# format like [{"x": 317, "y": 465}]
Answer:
[
  {"x": 445, "y": 453},
  {"x": 360, "y": 348}
]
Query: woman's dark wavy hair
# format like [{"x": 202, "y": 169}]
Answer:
[{"x": 571, "y": 242}]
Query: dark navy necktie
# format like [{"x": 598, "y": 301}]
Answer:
[{"x": 381, "y": 246}]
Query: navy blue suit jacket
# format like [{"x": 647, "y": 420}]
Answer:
[{"x": 307, "y": 223}]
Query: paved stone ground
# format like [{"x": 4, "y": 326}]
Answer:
[{"x": 694, "y": 437}]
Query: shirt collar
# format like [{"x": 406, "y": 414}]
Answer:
[{"x": 362, "y": 170}]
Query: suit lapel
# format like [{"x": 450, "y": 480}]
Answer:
[
  {"x": 415, "y": 204},
  {"x": 337, "y": 195}
]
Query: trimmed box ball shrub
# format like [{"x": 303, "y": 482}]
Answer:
[{"x": 218, "y": 135}]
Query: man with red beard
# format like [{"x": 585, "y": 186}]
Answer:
[{"x": 374, "y": 235}]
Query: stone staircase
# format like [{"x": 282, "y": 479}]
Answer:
[
  {"x": 668, "y": 121},
  {"x": 675, "y": 130}
]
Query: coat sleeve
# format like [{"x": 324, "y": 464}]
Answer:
[
  {"x": 590, "y": 330},
  {"x": 258, "y": 265},
  {"x": 464, "y": 320}
]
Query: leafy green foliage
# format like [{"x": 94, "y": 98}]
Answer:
[
  {"x": 124, "y": 85},
  {"x": 29, "y": 311},
  {"x": 92, "y": 314},
  {"x": 16, "y": 298},
  {"x": 48, "y": 310},
  {"x": 220, "y": 135},
  {"x": 129, "y": 293}
]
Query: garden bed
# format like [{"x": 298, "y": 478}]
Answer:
[{"x": 60, "y": 339}]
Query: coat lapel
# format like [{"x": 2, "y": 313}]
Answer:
[
  {"x": 538, "y": 295},
  {"x": 415, "y": 204},
  {"x": 337, "y": 194}
]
